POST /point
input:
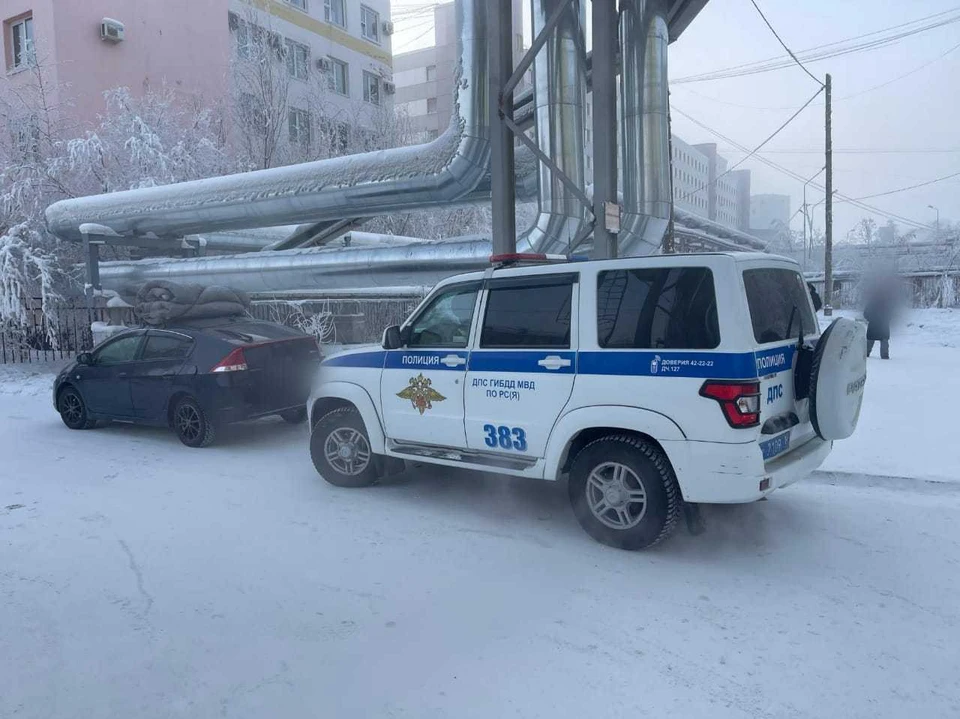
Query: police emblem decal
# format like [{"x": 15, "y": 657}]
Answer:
[{"x": 421, "y": 394}]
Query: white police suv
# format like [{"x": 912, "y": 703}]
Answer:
[{"x": 654, "y": 383}]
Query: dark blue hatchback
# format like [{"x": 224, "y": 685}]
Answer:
[{"x": 193, "y": 377}]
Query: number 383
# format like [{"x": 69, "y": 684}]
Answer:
[{"x": 505, "y": 437}]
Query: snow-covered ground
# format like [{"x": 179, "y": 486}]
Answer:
[{"x": 139, "y": 578}]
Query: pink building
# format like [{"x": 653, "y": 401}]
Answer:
[{"x": 144, "y": 44}]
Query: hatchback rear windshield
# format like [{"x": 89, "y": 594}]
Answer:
[
  {"x": 657, "y": 308},
  {"x": 779, "y": 304}
]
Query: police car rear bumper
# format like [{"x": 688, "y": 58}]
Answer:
[{"x": 716, "y": 473}]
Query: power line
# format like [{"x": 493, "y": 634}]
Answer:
[
  {"x": 843, "y": 97},
  {"x": 780, "y": 40},
  {"x": 910, "y": 187},
  {"x": 757, "y": 148},
  {"x": 860, "y": 151},
  {"x": 830, "y": 50},
  {"x": 799, "y": 178}
]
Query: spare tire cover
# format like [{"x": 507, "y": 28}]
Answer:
[{"x": 837, "y": 378}]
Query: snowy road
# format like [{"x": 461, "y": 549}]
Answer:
[{"x": 139, "y": 578}]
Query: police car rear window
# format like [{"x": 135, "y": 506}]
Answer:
[
  {"x": 657, "y": 308},
  {"x": 779, "y": 304}
]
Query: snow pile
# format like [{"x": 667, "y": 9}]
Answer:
[
  {"x": 908, "y": 422},
  {"x": 30, "y": 379}
]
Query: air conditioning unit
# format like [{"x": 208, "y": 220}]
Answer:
[
  {"x": 111, "y": 30},
  {"x": 389, "y": 88},
  {"x": 387, "y": 27},
  {"x": 324, "y": 65}
]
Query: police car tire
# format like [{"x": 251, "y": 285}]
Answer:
[
  {"x": 336, "y": 419},
  {"x": 659, "y": 481}
]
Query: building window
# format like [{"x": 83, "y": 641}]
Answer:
[
  {"x": 334, "y": 12},
  {"x": 431, "y": 106},
  {"x": 370, "y": 24},
  {"x": 298, "y": 59},
  {"x": 299, "y": 4},
  {"x": 299, "y": 123},
  {"x": 20, "y": 37},
  {"x": 338, "y": 79},
  {"x": 371, "y": 88},
  {"x": 431, "y": 73}
]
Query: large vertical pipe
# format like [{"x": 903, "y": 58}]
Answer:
[
  {"x": 604, "y": 17},
  {"x": 645, "y": 143},
  {"x": 503, "y": 227},
  {"x": 560, "y": 71}
]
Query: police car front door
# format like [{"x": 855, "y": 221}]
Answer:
[
  {"x": 523, "y": 367},
  {"x": 421, "y": 387}
]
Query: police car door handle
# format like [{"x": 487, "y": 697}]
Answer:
[
  {"x": 554, "y": 362},
  {"x": 453, "y": 361}
]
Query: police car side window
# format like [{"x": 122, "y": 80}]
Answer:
[
  {"x": 534, "y": 312},
  {"x": 446, "y": 321},
  {"x": 657, "y": 308}
]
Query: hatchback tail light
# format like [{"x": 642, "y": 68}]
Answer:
[
  {"x": 740, "y": 401},
  {"x": 233, "y": 362}
]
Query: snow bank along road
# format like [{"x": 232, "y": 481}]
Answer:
[{"x": 139, "y": 578}]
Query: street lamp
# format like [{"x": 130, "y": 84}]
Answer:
[{"x": 938, "y": 219}]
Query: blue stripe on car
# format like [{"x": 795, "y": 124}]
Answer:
[
  {"x": 520, "y": 361},
  {"x": 628, "y": 363}
]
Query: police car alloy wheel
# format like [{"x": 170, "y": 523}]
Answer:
[
  {"x": 624, "y": 492},
  {"x": 341, "y": 451}
]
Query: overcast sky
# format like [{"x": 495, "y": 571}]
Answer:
[{"x": 920, "y": 112}]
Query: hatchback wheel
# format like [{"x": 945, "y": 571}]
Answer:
[
  {"x": 191, "y": 423},
  {"x": 624, "y": 492},
  {"x": 340, "y": 449},
  {"x": 73, "y": 411}
]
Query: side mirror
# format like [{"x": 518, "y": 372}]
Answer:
[
  {"x": 85, "y": 358},
  {"x": 391, "y": 338}
]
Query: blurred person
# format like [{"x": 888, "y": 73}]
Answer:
[{"x": 878, "y": 312}]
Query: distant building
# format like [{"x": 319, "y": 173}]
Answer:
[
  {"x": 769, "y": 213},
  {"x": 424, "y": 78}
]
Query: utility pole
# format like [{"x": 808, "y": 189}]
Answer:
[
  {"x": 606, "y": 208},
  {"x": 503, "y": 194},
  {"x": 828, "y": 220}
]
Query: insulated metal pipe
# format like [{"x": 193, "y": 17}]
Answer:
[
  {"x": 417, "y": 263},
  {"x": 374, "y": 183},
  {"x": 645, "y": 128},
  {"x": 559, "y": 107}
]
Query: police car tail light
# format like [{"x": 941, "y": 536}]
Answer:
[
  {"x": 740, "y": 401},
  {"x": 233, "y": 362}
]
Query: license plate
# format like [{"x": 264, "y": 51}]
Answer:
[{"x": 777, "y": 445}]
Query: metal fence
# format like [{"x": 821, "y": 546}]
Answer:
[{"x": 44, "y": 336}]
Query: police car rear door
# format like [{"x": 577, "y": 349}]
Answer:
[
  {"x": 523, "y": 364},
  {"x": 781, "y": 312},
  {"x": 421, "y": 389}
]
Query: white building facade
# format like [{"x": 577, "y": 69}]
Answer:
[{"x": 337, "y": 55}]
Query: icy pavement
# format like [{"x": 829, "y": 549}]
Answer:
[{"x": 139, "y": 578}]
